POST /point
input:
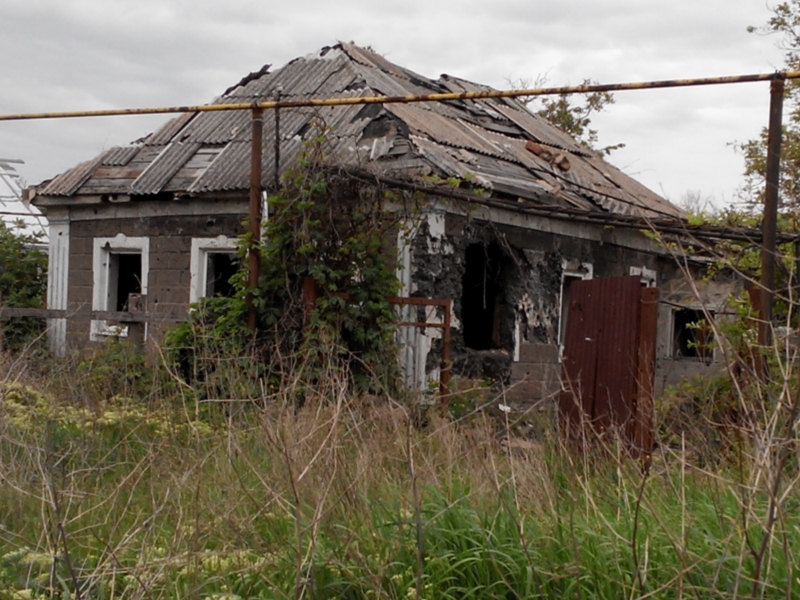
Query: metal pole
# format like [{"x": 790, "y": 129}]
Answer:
[
  {"x": 769, "y": 223},
  {"x": 277, "y": 144},
  {"x": 254, "y": 217},
  {"x": 444, "y": 374},
  {"x": 443, "y": 97}
]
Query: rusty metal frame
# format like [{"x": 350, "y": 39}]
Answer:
[
  {"x": 447, "y": 305},
  {"x": 310, "y": 295}
]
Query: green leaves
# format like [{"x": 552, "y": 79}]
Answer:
[
  {"x": 329, "y": 227},
  {"x": 23, "y": 283}
]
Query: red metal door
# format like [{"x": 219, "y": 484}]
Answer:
[{"x": 608, "y": 363}]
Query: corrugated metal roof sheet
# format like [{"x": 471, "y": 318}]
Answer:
[
  {"x": 160, "y": 171},
  {"x": 120, "y": 156},
  {"x": 68, "y": 182},
  {"x": 482, "y": 140},
  {"x": 169, "y": 130}
]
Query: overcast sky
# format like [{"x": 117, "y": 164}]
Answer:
[{"x": 58, "y": 55}]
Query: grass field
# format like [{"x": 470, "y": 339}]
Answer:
[{"x": 117, "y": 482}]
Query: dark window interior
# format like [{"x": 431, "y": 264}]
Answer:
[
  {"x": 220, "y": 267},
  {"x": 483, "y": 297},
  {"x": 128, "y": 271},
  {"x": 692, "y": 334}
]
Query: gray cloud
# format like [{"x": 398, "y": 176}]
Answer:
[{"x": 85, "y": 54}]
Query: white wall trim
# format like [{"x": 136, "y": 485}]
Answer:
[
  {"x": 102, "y": 249},
  {"x": 58, "y": 282},
  {"x": 649, "y": 277},
  {"x": 198, "y": 267}
]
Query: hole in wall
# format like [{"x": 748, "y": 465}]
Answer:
[
  {"x": 692, "y": 335},
  {"x": 487, "y": 318}
]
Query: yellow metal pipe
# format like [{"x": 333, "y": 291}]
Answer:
[{"x": 271, "y": 104}]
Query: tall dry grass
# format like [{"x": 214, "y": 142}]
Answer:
[{"x": 120, "y": 481}]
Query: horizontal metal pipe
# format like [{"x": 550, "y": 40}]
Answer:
[
  {"x": 7, "y": 213},
  {"x": 270, "y": 104}
]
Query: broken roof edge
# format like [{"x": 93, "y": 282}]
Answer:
[
  {"x": 673, "y": 226},
  {"x": 449, "y": 132}
]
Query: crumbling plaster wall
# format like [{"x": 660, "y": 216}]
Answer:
[{"x": 532, "y": 288}]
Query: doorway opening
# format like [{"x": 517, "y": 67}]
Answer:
[{"x": 486, "y": 316}]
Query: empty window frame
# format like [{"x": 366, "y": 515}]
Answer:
[
  {"x": 692, "y": 334},
  {"x": 120, "y": 268},
  {"x": 213, "y": 262}
]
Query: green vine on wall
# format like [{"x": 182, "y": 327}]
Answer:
[{"x": 334, "y": 228}]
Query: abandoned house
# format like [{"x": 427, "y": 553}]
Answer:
[{"x": 538, "y": 214}]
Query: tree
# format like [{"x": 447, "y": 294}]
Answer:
[
  {"x": 23, "y": 283},
  {"x": 785, "y": 22}
]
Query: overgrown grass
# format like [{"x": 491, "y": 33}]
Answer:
[{"x": 128, "y": 487}]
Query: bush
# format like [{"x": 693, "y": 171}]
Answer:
[{"x": 23, "y": 284}]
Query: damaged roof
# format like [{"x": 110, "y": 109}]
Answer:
[{"x": 494, "y": 144}]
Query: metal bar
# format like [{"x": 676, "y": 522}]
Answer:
[
  {"x": 19, "y": 214},
  {"x": 101, "y": 315},
  {"x": 416, "y": 301},
  {"x": 254, "y": 217},
  {"x": 769, "y": 223},
  {"x": 444, "y": 373},
  {"x": 277, "y": 148},
  {"x": 272, "y": 104},
  {"x": 37, "y": 313}
]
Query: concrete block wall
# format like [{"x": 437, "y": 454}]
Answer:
[
  {"x": 536, "y": 377},
  {"x": 170, "y": 255}
]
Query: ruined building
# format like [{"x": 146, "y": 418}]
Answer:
[{"x": 536, "y": 213}]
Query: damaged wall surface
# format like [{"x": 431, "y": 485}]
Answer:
[
  {"x": 510, "y": 284},
  {"x": 159, "y": 217}
]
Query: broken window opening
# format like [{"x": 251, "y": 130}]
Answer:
[
  {"x": 120, "y": 266},
  {"x": 692, "y": 335},
  {"x": 486, "y": 318},
  {"x": 220, "y": 268},
  {"x": 124, "y": 279}
]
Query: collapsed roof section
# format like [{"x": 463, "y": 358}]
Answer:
[{"x": 494, "y": 144}]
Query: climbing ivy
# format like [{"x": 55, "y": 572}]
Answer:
[{"x": 328, "y": 226}]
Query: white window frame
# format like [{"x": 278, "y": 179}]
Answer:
[
  {"x": 201, "y": 248},
  {"x": 103, "y": 248},
  {"x": 648, "y": 277}
]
